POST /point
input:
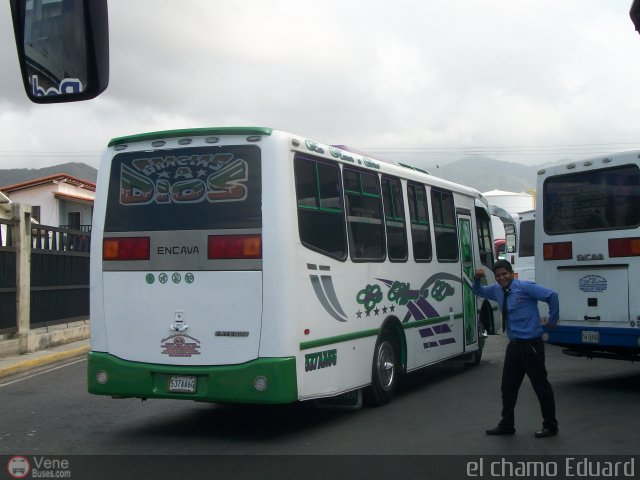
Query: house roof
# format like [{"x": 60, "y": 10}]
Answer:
[
  {"x": 75, "y": 198},
  {"x": 63, "y": 177}
]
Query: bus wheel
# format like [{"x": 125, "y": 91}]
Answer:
[
  {"x": 475, "y": 357},
  {"x": 385, "y": 371}
]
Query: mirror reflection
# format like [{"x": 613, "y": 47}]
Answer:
[{"x": 54, "y": 47}]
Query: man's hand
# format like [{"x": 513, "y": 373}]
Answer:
[
  {"x": 548, "y": 325},
  {"x": 479, "y": 273}
]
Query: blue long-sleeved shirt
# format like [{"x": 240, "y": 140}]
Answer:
[{"x": 523, "y": 318}]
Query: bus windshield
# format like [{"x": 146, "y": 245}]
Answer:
[{"x": 592, "y": 200}]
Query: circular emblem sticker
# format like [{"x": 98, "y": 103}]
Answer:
[
  {"x": 150, "y": 278},
  {"x": 163, "y": 277},
  {"x": 189, "y": 278},
  {"x": 176, "y": 277},
  {"x": 18, "y": 467}
]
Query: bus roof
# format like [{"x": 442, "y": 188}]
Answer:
[
  {"x": 408, "y": 171},
  {"x": 143, "y": 137},
  {"x": 599, "y": 161}
]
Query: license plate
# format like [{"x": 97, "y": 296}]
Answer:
[
  {"x": 182, "y": 384},
  {"x": 589, "y": 336}
]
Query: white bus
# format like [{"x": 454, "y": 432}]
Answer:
[
  {"x": 523, "y": 256},
  {"x": 588, "y": 249},
  {"x": 251, "y": 265}
]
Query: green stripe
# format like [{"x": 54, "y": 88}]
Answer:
[
  {"x": 319, "y": 209},
  {"x": 339, "y": 339},
  {"x": 321, "y": 342},
  {"x": 189, "y": 132}
]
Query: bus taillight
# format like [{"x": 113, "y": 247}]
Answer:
[
  {"x": 624, "y": 247},
  {"x": 126, "y": 248},
  {"x": 222, "y": 247},
  {"x": 558, "y": 251}
]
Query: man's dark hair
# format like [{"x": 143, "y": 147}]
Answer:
[{"x": 502, "y": 264}]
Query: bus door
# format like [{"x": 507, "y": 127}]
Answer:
[{"x": 469, "y": 310}]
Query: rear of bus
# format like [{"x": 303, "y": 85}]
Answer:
[
  {"x": 588, "y": 249},
  {"x": 523, "y": 259},
  {"x": 176, "y": 279}
]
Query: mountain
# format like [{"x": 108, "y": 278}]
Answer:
[
  {"x": 480, "y": 172},
  {"x": 485, "y": 174},
  {"x": 75, "y": 169}
]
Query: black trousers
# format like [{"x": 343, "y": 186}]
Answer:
[{"x": 526, "y": 357}]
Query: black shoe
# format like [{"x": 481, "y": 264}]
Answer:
[
  {"x": 546, "y": 432},
  {"x": 501, "y": 430}
]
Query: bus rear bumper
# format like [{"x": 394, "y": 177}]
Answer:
[
  {"x": 264, "y": 380},
  {"x": 602, "y": 342}
]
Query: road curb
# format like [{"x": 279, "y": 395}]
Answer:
[{"x": 29, "y": 364}]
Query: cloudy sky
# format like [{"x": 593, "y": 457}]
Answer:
[{"x": 526, "y": 81}]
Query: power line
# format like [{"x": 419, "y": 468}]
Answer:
[
  {"x": 508, "y": 146},
  {"x": 583, "y": 149},
  {"x": 48, "y": 154}
]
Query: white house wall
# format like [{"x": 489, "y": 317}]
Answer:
[
  {"x": 40, "y": 195},
  {"x": 54, "y": 210},
  {"x": 66, "y": 206}
]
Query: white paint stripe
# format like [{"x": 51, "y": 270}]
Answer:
[{"x": 42, "y": 372}]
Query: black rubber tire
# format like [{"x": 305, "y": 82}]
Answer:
[
  {"x": 385, "y": 371},
  {"x": 476, "y": 356}
]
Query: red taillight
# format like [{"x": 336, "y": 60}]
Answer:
[
  {"x": 234, "y": 246},
  {"x": 624, "y": 247},
  {"x": 558, "y": 251},
  {"x": 126, "y": 248}
]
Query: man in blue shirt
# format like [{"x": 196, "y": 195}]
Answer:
[{"x": 525, "y": 351}]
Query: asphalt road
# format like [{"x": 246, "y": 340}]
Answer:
[{"x": 439, "y": 410}]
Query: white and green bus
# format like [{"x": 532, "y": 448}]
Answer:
[{"x": 252, "y": 265}]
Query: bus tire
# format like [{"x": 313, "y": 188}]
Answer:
[
  {"x": 475, "y": 357},
  {"x": 385, "y": 371}
]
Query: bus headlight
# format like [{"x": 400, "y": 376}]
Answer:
[
  {"x": 260, "y": 383},
  {"x": 102, "y": 377}
]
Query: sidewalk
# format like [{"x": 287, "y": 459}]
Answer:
[{"x": 14, "y": 364}]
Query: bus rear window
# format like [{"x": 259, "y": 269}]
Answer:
[
  {"x": 201, "y": 188},
  {"x": 589, "y": 201}
]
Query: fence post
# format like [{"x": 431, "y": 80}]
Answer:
[{"x": 22, "y": 213}]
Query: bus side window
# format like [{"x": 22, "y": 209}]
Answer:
[
  {"x": 485, "y": 246},
  {"x": 320, "y": 208},
  {"x": 364, "y": 215},
  {"x": 394, "y": 219},
  {"x": 420, "y": 229},
  {"x": 444, "y": 219}
]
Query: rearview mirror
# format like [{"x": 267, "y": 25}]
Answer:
[{"x": 63, "y": 48}]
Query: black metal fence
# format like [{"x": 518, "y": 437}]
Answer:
[
  {"x": 59, "y": 276},
  {"x": 7, "y": 277}
]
